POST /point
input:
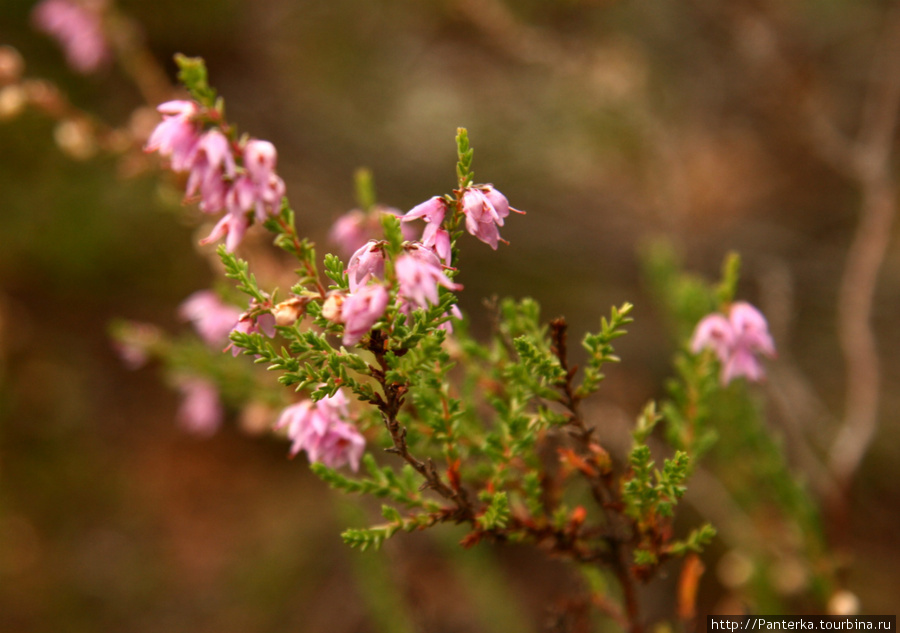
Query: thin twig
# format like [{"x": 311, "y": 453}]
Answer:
[{"x": 872, "y": 160}]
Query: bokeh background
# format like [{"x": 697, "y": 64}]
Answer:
[{"x": 613, "y": 123}]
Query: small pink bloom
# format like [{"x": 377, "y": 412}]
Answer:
[
  {"x": 419, "y": 273},
  {"x": 367, "y": 262},
  {"x": 211, "y": 317},
  {"x": 201, "y": 410},
  {"x": 268, "y": 199},
  {"x": 210, "y": 164},
  {"x": 353, "y": 229},
  {"x": 713, "y": 331},
  {"x": 485, "y": 209},
  {"x": 432, "y": 211},
  {"x": 134, "y": 343},
  {"x": 350, "y": 231},
  {"x": 259, "y": 188},
  {"x": 253, "y": 323},
  {"x": 438, "y": 240},
  {"x": 454, "y": 312},
  {"x": 230, "y": 226},
  {"x": 78, "y": 30},
  {"x": 736, "y": 340},
  {"x": 323, "y": 431},
  {"x": 361, "y": 309},
  {"x": 177, "y": 135},
  {"x": 260, "y": 158}
]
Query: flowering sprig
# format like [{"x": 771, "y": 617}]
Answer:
[
  {"x": 508, "y": 451},
  {"x": 225, "y": 173}
]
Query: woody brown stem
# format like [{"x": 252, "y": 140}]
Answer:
[
  {"x": 603, "y": 485},
  {"x": 389, "y": 407}
]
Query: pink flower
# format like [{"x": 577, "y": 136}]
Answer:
[
  {"x": 210, "y": 163},
  {"x": 322, "y": 430},
  {"x": 367, "y": 262},
  {"x": 361, "y": 309},
  {"x": 177, "y": 135},
  {"x": 259, "y": 188},
  {"x": 253, "y": 323},
  {"x": 353, "y": 229},
  {"x": 134, "y": 343},
  {"x": 77, "y": 29},
  {"x": 485, "y": 209},
  {"x": 454, "y": 312},
  {"x": 260, "y": 158},
  {"x": 434, "y": 237},
  {"x": 419, "y": 273},
  {"x": 201, "y": 410},
  {"x": 211, "y": 317},
  {"x": 432, "y": 211},
  {"x": 230, "y": 226},
  {"x": 736, "y": 341},
  {"x": 438, "y": 240},
  {"x": 250, "y": 191}
]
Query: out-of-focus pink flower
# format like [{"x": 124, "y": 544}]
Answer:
[
  {"x": 211, "y": 317},
  {"x": 323, "y": 431},
  {"x": 736, "y": 341},
  {"x": 210, "y": 164},
  {"x": 230, "y": 226},
  {"x": 134, "y": 342},
  {"x": 419, "y": 273},
  {"x": 260, "y": 158},
  {"x": 454, "y": 312},
  {"x": 361, "y": 309},
  {"x": 201, "y": 409},
  {"x": 259, "y": 188},
  {"x": 223, "y": 175},
  {"x": 78, "y": 29},
  {"x": 177, "y": 134},
  {"x": 250, "y": 323},
  {"x": 367, "y": 262},
  {"x": 485, "y": 209},
  {"x": 353, "y": 229}
]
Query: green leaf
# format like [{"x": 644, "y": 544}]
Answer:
[
  {"x": 193, "y": 76},
  {"x": 496, "y": 515},
  {"x": 365, "y": 189},
  {"x": 464, "y": 154}
]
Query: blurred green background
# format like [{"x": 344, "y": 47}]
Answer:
[{"x": 610, "y": 122}]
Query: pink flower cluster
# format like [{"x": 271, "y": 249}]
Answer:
[
  {"x": 737, "y": 340},
  {"x": 237, "y": 177},
  {"x": 419, "y": 273},
  {"x": 484, "y": 208},
  {"x": 78, "y": 29},
  {"x": 322, "y": 430}
]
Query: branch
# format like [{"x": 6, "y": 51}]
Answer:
[{"x": 871, "y": 163}]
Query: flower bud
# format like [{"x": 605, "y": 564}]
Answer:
[
  {"x": 331, "y": 309},
  {"x": 287, "y": 312}
]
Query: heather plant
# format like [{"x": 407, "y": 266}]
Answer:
[
  {"x": 365, "y": 364},
  {"x": 403, "y": 404}
]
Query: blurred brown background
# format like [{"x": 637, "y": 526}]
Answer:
[{"x": 610, "y": 122}]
